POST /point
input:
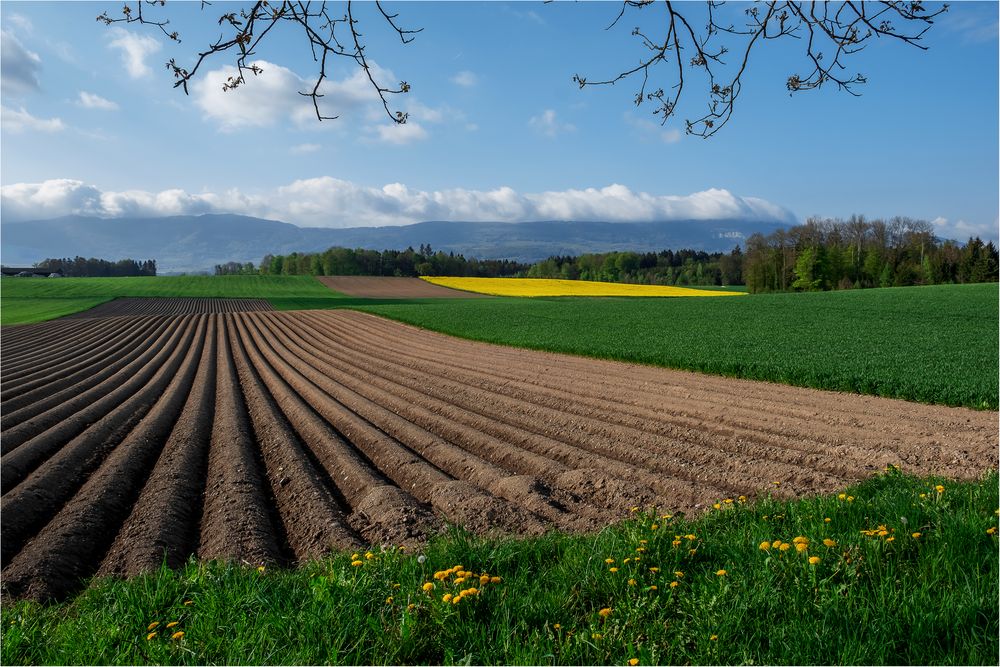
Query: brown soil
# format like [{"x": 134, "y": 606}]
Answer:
[
  {"x": 275, "y": 437},
  {"x": 172, "y": 306},
  {"x": 387, "y": 288}
]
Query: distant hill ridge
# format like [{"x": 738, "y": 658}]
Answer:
[{"x": 197, "y": 243}]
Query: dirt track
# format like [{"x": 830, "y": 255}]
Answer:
[
  {"x": 388, "y": 288},
  {"x": 172, "y": 306},
  {"x": 277, "y": 436}
]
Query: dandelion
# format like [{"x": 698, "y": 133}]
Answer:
[
  {"x": 826, "y": 520},
  {"x": 626, "y": 561},
  {"x": 841, "y": 496},
  {"x": 915, "y": 536},
  {"x": 675, "y": 584},
  {"x": 640, "y": 550},
  {"x": 679, "y": 574},
  {"x": 355, "y": 556},
  {"x": 713, "y": 638},
  {"x": 457, "y": 568},
  {"x": 991, "y": 531},
  {"x": 939, "y": 488},
  {"x": 889, "y": 539},
  {"x": 765, "y": 546},
  {"x": 609, "y": 561},
  {"x": 801, "y": 546},
  {"x": 654, "y": 570},
  {"x": 459, "y": 580},
  {"x": 654, "y": 587},
  {"x": 604, "y": 613},
  {"x": 446, "y": 597},
  {"x": 690, "y": 537},
  {"x": 388, "y": 600},
  {"x": 456, "y": 599},
  {"x": 814, "y": 560},
  {"x": 785, "y": 546},
  {"x": 177, "y": 635},
  {"x": 369, "y": 555},
  {"x": 495, "y": 580},
  {"x": 150, "y": 636},
  {"x": 428, "y": 587},
  {"x": 357, "y": 563},
  {"x": 172, "y": 624},
  {"x": 676, "y": 543},
  {"x": 633, "y": 661},
  {"x": 776, "y": 483},
  {"x": 828, "y": 542},
  {"x": 692, "y": 552},
  {"x": 152, "y": 625},
  {"x": 728, "y": 501},
  {"x": 261, "y": 569},
  {"x": 800, "y": 540},
  {"x": 395, "y": 585},
  {"x": 850, "y": 499},
  {"x": 634, "y": 509},
  {"x": 411, "y": 607},
  {"x": 717, "y": 506},
  {"x": 923, "y": 495},
  {"x": 612, "y": 569},
  {"x": 666, "y": 516},
  {"x": 188, "y": 603},
  {"x": 471, "y": 591},
  {"x": 742, "y": 499},
  {"x": 721, "y": 573},
  {"x": 654, "y": 526},
  {"x": 643, "y": 541},
  {"x": 596, "y": 636},
  {"x": 421, "y": 558},
  {"x": 631, "y": 582},
  {"x": 484, "y": 579},
  {"x": 556, "y": 626}
]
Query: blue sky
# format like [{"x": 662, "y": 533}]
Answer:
[{"x": 498, "y": 129}]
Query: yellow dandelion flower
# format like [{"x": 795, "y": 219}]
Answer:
[
  {"x": 484, "y": 579},
  {"x": 631, "y": 582},
  {"x": 638, "y": 558},
  {"x": 675, "y": 584},
  {"x": 152, "y": 625},
  {"x": 801, "y": 546},
  {"x": 643, "y": 541},
  {"x": 692, "y": 552},
  {"x": 728, "y": 501},
  {"x": 357, "y": 563},
  {"x": 826, "y": 520},
  {"x": 388, "y": 600},
  {"x": 428, "y": 587},
  {"x": 471, "y": 591},
  {"x": 721, "y": 573},
  {"x": 626, "y": 561},
  {"x": 261, "y": 569},
  {"x": 916, "y": 536},
  {"x": 150, "y": 635},
  {"x": 713, "y": 638},
  {"x": 596, "y": 636},
  {"x": 828, "y": 542},
  {"x": 654, "y": 570},
  {"x": 177, "y": 635},
  {"x": 841, "y": 496},
  {"x": 456, "y": 599},
  {"x": 717, "y": 506},
  {"x": 396, "y": 586},
  {"x": 776, "y": 483},
  {"x": 814, "y": 560},
  {"x": 369, "y": 555},
  {"x": 679, "y": 574},
  {"x": 785, "y": 546},
  {"x": 991, "y": 531},
  {"x": 765, "y": 546},
  {"x": 923, "y": 495},
  {"x": 556, "y": 626},
  {"x": 633, "y": 661},
  {"x": 459, "y": 580},
  {"x": 850, "y": 499},
  {"x": 609, "y": 561},
  {"x": 634, "y": 509},
  {"x": 457, "y": 568},
  {"x": 776, "y": 544},
  {"x": 882, "y": 533},
  {"x": 172, "y": 624},
  {"x": 889, "y": 539},
  {"x": 446, "y": 597},
  {"x": 612, "y": 569},
  {"x": 800, "y": 540},
  {"x": 676, "y": 543},
  {"x": 411, "y": 607},
  {"x": 654, "y": 588},
  {"x": 666, "y": 516},
  {"x": 604, "y": 613},
  {"x": 640, "y": 550},
  {"x": 355, "y": 556},
  {"x": 188, "y": 603},
  {"x": 691, "y": 537},
  {"x": 654, "y": 526},
  {"x": 742, "y": 499},
  {"x": 939, "y": 488}
]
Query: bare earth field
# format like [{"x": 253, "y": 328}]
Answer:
[
  {"x": 172, "y": 306},
  {"x": 390, "y": 287},
  {"x": 276, "y": 436}
]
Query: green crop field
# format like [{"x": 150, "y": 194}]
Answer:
[
  {"x": 893, "y": 571},
  {"x": 934, "y": 344}
]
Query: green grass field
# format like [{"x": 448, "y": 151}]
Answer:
[
  {"x": 675, "y": 591},
  {"x": 933, "y": 344}
]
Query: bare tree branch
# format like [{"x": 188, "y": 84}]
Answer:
[
  {"x": 246, "y": 29},
  {"x": 841, "y": 29}
]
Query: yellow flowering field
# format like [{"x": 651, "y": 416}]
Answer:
[{"x": 551, "y": 287}]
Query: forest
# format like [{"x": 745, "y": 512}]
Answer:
[{"x": 81, "y": 267}]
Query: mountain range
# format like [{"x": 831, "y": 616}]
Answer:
[{"x": 197, "y": 243}]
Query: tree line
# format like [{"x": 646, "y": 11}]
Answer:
[
  {"x": 667, "y": 267},
  {"x": 826, "y": 254},
  {"x": 80, "y": 267},
  {"x": 337, "y": 261}
]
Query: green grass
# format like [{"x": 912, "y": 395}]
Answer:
[
  {"x": 933, "y": 344},
  {"x": 930, "y": 599}
]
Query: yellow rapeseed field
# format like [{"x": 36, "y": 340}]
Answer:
[{"x": 549, "y": 287}]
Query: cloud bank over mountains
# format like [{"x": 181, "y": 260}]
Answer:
[{"x": 332, "y": 202}]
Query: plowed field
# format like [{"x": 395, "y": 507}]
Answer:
[
  {"x": 391, "y": 287},
  {"x": 173, "y": 306},
  {"x": 277, "y": 436}
]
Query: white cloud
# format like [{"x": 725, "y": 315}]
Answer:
[
  {"x": 302, "y": 149},
  {"x": 272, "y": 98},
  {"x": 650, "y": 130},
  {"x": 18, "y": 66},
  {"x": 19, "y": 120},
  {"x": 331, "y": 202},
  {"x": 973, "y": 26},
  {"x": 135, "y": 48},
  {"x": 23, "y": 23},
  {"x": 465, "y": 78},
  {"x": 962, "y": 230},
  {"x": 547, "y": 124},
  {"x": 94, "y": 101}
]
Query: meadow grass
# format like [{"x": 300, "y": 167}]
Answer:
[
  {"x": 906, "y": 573},
  {"x": 935, "y": 344}
]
